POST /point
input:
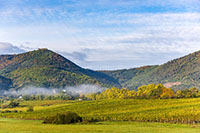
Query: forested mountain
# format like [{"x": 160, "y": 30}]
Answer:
[
  {"x": 45, "y": 68},
  {"x": 5, "y": 83},
  {"x": 179, "y": 74}
]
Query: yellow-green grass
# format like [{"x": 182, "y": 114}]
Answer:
[
  {"x": 43, "y": 102},
  {"x": 140, "y": 110},
  {"x": 30, "y": 126}
]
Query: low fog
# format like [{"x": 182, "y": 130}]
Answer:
[
  {"x": 84, "y": 89},
  {"x": 72, "y": 90}
]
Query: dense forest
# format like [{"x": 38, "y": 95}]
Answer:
[
  {"x": 181, "y": 73},
  {"x": 45, "y": 68}
]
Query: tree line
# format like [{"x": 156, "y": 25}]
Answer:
[{"x": 151, "y": 91}]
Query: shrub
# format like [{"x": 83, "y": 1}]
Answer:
[
  {"x": 13, "y": 104},
  {"x": 10, "y": 104},
  {"x": 3, "y": 106},
  {"x": 66, "y": 118},
  {"x": 30, "y": 109},
  {"x": 93, "y": 120},
  {"x": 14, "y": 111},
  {"x": 7, "y": 111}
]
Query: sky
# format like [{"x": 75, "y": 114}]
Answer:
[{"x": 102, "y": 34}]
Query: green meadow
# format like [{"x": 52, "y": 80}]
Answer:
[{"x": 35, "y": 126}]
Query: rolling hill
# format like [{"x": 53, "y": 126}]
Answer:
[
  {"x": 179, "y": 74},
  {"x": 45, "y": 68}
]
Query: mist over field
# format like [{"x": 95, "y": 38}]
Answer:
[
  {"x": 84, "y": 89},
  {"x": 72, "y": 90}
]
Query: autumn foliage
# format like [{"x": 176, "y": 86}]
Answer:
[{"x": 151, "y": 91}]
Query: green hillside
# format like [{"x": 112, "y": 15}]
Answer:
[
  {"x": 122, "y": 76},
  {"x": 5, "y": 83},
  {"x": 45, "y": 68},
  {"x": 183, "y": 73}
]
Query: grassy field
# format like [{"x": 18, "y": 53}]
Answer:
[
  {"x": 15, "y": 126},
  {"x": 139, "y": 110}
]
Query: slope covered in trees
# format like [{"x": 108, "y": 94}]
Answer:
[
  {"x": 122, "y": 76},
  {"x": 45, "y": 68},
  {"x": 5, "y": 83},
  {"x": 182, "y": 73}
]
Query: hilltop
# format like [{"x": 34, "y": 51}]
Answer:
[{"x": 45, "y": 68}]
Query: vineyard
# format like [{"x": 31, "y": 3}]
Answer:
[{"x": 185, "y": 111}]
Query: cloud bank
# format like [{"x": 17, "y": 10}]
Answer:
[
  {"x": 8, "y": 48},
  {"x": 103, "y": 34},
  {"x": 126, "y": 41}
]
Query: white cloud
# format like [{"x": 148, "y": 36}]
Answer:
[
  {"x": 112, "y": 41},
  {"x": 151, "y": 39},
  {"x": 7, "y": 48}
]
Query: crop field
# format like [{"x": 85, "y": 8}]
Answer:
[
  {"x": 185, "y": 111},
  {"x": 35, "y": 126}
]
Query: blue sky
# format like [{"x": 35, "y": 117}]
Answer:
[{"x": 102, "y": 34}]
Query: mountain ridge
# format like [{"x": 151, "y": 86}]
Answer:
[
  {"x": 184, "y": 70},
  {"x": 45, "y": 68}
]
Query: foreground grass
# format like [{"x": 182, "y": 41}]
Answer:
[{"x": 15, "y": 126}]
